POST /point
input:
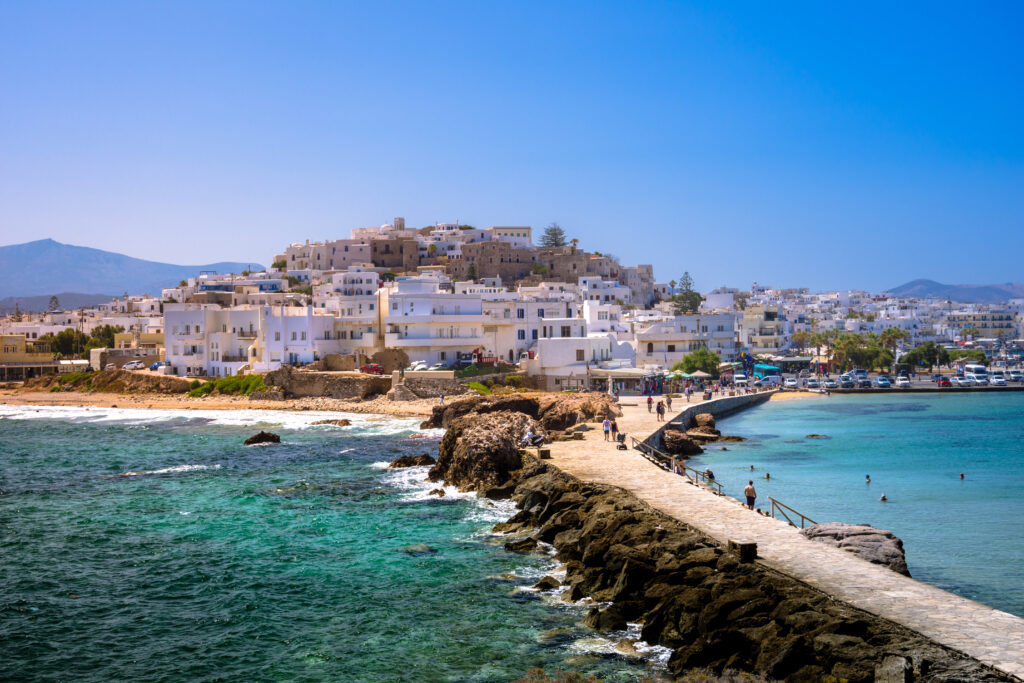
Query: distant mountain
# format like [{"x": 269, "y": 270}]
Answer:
[
  {"x": 978, "y": 294},
  {"x": 69, "y": 301},
  {"x": 44, "y": 267}
]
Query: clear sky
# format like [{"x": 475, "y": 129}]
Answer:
[{"x": 796, "y": 144}]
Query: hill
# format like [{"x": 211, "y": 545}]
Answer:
[
  {"x": 69, "y": 301},
  {"x": 979, "y": 294},
  {"x": 44, "y": 267}
]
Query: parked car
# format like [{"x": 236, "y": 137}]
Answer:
[
  {"x": 372, "y": 369},
  {"x": 962, "y": 382},
  {"x": 739, "y": 380},
  {"x": 936, "y": 377},
  {"x": 943, "y": 382},
  {"x": 903, "y": 382},
  {"x": 998, "y": 381},
  {"x": 829, "y": 383},
  {"x": 846, "y": 382},
  {"x": 812, "y": 383},
  {"x": 110, "y": 366},
  {"x": 438, "y": 366},
  {"x": 133, "y": 365},
  {"x": 791, "y": 383},
  {"x": 882, "y": 382},
  {"x": 159, "y": 364},
  {"x": 1014, "y": 375}
]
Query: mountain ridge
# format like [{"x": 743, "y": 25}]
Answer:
[
  {"x": 980, "y": 294},
  {"x": 43, "y": 267}
]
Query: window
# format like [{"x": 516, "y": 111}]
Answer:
[
  {"x": 521, "y": 334},
  {"x": 293, "y": 336},
  {"x": 521, "y": 313},
  {"x": 580, "y": 354},
  {"x": 566, "y": 331},
  {"x": 671, "y": 348},
  {"x": 277, "y": 336},
  {"x": 534, "y": 333},
  {"x": 442, "y": 356},
  {"x": 303, "y": 336},
  {"x": 650, "y": 348}
]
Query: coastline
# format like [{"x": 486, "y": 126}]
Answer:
[{"x": 377, "y": 406}]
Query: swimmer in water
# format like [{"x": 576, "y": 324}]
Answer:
[
  {"x": 883, "y": 498},
  {"x": 867, "y": 478},
  {"x": 767, "y": 475},
  {"x": 961, "y": 475}
]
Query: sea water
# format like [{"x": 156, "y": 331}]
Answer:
[
  {"x": 144, "y": 545},
  {"x": 963, "y": 535}
]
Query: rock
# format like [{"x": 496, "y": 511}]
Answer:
[
  {"x": 704, "y": 420},
  {"x": 336, "y": 423},
  {"x": 676, "y": 442},
  {"x": 423, "y": 460},
  {"x": 417, "y": 436},
  {"x": 703, "y": 434},
  {"x": 731, "y": 438},
  {"x": 556, "y": 412},
  {"x": 526, "y": 545},
  {"x": 417, "y": 549},
  {"x": 610, "y": 618},
  {"x": 482, "y": 451},
  {"x": 547, "y": 583},
  {"x": 436, "y": 492},
  {"x": 498, "y": 492},
  {"x": 262, "y": 437},
  {"x": 877, "y": 546},
  {"x": 894, "y": 669},
  {"x": 817, "y": 436}
]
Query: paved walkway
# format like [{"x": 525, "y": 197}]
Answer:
[{"x": 986, "y": 634}]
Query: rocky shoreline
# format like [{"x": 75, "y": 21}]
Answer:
[{"x": 641, "y": 566}]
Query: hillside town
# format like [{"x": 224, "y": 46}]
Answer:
[{"x": 451, "y": 295}]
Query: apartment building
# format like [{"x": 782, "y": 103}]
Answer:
[
  {"x": 430, "y": 325},
  {"x": 664, "y": 343}
]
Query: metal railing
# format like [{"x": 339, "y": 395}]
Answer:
[
  {"x": 666, "y": 461},
  {"x": 783, "y": 508}
]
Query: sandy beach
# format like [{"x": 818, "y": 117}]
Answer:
[
  {"x": 795, "y": 395},
  {"x": 378, "y": 406}
]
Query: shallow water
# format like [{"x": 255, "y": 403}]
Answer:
[
  {"x": 966, "y": 536},
  {"x": 141, "y": 545}
]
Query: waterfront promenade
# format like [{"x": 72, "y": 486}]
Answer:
[{"x": 991, "y": 636}]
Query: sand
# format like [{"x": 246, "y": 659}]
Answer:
[
  {"x": 378, "y": 406},
  {"x": 795, "y": 395}
]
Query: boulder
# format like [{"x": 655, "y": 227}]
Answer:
[
  {"x": 817, "y": 436},
  {"x": 704, "y": 420},
  {"x": 336, "y": 423},
  {"x": 547, "y": 583},
  {"x": 262, "y": 437},
  {"x": 436, "y": 492},
  {"x": 563, "y": 411},
  {"x": 526, "y": 545},
  {"x": 423, "y": 460},
  {"x": 482, "y": 451},
  {"x": 675, "y": 442},
  {"x": 417, "y": 549},
  {"x": 703, "y": 434},
  {"x": 877, "y": 546}
]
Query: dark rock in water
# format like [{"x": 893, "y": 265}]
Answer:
[
  {"x": 817, "y": 436},
  {"x": 526, "y": 545},
  {"x": 482, "y": 451},
  {"x": 336, "y": 423},
  {"x": 676, "y": 442},
  {"x": 610, "y": 618},
  {"x": 417, "y": 549},
  {"x": 877, "y": 546},
  {"x": 423, "y": 460},
  {"x": 437, "y": 492},
  {"x": 498, "y": 492},
  {"x": 262, "y": 437},
  {"x": 731, "y": 438},
  {"x": 547, "y": 583},
  {"x": 703, "y": 434}
]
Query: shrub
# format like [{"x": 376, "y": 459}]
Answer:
[
  {"x": 72, "y": 378},
  {"x": 479, "y": 388},
  {"x": 514, "y": 380},
  {"x": 238, "y": 384},
  {"x": 194, "y": 384}
]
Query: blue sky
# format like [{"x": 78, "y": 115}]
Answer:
[{"x": 796, "y": 144}]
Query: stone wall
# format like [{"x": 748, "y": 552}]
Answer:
[
  {"x": 300, "y": 384},
  {"x": 719, "y": 408}
]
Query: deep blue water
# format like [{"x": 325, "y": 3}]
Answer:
[
  {"x": 966, "y": 536},
  {"x": 213, "y": 561}
]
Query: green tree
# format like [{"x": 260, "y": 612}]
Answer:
[
  {"x": 54, "y": 303},
  {"x": 67, "y": 343},
  {"x": 892, "y": 336},
  {"x": 279, "y": 265},
  {"x": 539, "y": 269},
  {"x": 927, "y": 355},
  {"x": 553, "y": 236},
  {"x": 471, "y": 271},
  {"x": 432, "y": 249},
  {"x": 699, "y": 359},
  {"x": 687, "y": 300},
  {"x": 741, "y": 300},
  {"x": 801, "y": 338},
  {"x": 388, "y": 276},
  {"x": 970, "y": 331},
  {"x": 183, "y": 283}
]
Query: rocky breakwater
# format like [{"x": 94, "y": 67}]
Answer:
[
  {"x": 688, "y": 593},
  {"x": 689, "y": 440}
]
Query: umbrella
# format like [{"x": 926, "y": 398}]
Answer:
[{"x": 700, "y": 374}]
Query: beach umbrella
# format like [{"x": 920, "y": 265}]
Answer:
[{"x": 700, "y": 374}]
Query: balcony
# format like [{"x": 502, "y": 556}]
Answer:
[
  {"x": 246, "y": 334},
  {"x": 233, "y": 359}
]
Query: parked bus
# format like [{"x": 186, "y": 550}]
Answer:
[
  {"x": 977, "y": 372},
  {"x": 762, "y": 370}
]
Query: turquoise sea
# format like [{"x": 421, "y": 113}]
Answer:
[
  {"x": 147, "y": 545},
  {"x": 966, "y": 536}
]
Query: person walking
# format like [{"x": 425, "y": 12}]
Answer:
[
  {"x": 606, "y": 425},
  {"x": 650, "y": 402},
  {"x": 668, "y": 402},
  {"x": 751, "y": 493},
  {"x": 615, "y": 430}
]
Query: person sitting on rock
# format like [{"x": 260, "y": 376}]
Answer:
[{"x": 531, "y": 439}]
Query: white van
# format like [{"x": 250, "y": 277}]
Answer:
[
  {"x": 739, "y": 380},
  {"x": 977, "y": 373}
]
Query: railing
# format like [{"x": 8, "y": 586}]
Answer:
[
  {"x": 665, "y": 462},
  {"x": 226, "y": 358},
  {"x": 246, "y": 334},
  {"x": 783, "y": 508}
]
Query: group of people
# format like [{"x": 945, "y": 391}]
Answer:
[
  {"x": 661, "y": 407},
  {"x": 611, "y": 429}
]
